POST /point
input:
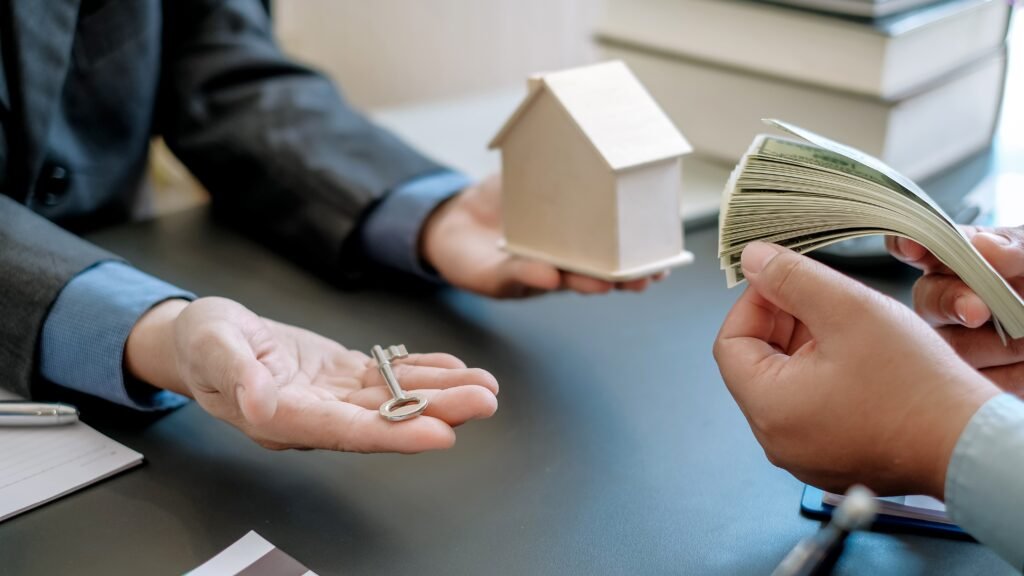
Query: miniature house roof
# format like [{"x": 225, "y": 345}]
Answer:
[{"x": 612, "y": 109}]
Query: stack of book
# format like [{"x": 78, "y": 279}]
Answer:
[{"x": 916, "y": 83}]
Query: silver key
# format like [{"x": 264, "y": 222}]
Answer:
[{"x": 404, "y": 405}]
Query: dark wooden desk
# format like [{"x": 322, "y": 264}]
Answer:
[{"x": 616, "y": 449}]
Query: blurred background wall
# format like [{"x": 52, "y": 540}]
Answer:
[{"x": 391, "y": 52}]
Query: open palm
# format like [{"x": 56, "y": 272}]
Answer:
[{"x": 286, "y": 387}]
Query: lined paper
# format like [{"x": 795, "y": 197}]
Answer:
[{"x": 40, "y": 464}]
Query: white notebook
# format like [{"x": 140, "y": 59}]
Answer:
[{"x": 40, "y": 464}]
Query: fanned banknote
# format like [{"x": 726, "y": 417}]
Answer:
[{"x": 806, "y": 195}]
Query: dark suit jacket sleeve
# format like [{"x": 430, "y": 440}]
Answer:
[
  {"x": 282, "y": 154},
  {"x": 37, "y": 258}
]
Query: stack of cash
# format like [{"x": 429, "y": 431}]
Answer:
[{"x": 806, "y": 195}]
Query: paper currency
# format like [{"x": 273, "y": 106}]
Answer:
[{"x": 806, "y": 195}]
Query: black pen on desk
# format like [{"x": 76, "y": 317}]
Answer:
[
  {"x": 814, "y": 554},
  {"x": 23, "y": 413}
]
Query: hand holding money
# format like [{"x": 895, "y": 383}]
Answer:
[
  {"x": 838, "y": 389},
  {"x": 945, "y": 301},
  {"x": 807, "y": 195}
]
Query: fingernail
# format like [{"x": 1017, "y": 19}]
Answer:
[
  {"x": 996, "y": 238},
  {"x": 960, "y": 309},
  {"x": 756, "y": 256}
]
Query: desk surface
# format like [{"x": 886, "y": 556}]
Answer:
[{"x": 616, "y": 448}]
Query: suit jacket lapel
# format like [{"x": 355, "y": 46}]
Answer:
[{"x": 43, "y": 33}]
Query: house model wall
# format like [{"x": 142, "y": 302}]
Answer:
[{"x": 592, "y": 175}]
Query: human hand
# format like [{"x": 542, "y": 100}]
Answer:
[
  {"x": 286, "y": 387},
  {"x": 961, "y": 317},
  {"x": 841, "y": 384},
  {"x": 460, "y": 240}
]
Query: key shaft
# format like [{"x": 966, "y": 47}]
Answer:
[{"x": 384, "y": 364}]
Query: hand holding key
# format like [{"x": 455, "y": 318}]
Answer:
[{"x": 285, "y": 387}]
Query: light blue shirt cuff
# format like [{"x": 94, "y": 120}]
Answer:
[
  {"x": 391, "y": 233},
  {"x": 985, "y": 478},
  {"x": 83, "y": 340}
]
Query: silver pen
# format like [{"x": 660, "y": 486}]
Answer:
[{"x": 23, "y": 413}]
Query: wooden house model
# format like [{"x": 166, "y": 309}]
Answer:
[{"x": 592, "y": 175}]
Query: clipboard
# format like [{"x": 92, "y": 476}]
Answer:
[{"x": 812, "y": 506}]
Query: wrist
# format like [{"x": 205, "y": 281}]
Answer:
[
  {"x": 969, "y": 397},
  {"x": 431, "y": 232},
  {"x": 151, "y": 353}
]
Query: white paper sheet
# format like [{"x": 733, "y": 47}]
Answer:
[
  {"x": 40, "y": 464},
  {"x": 252, "y": 555}
]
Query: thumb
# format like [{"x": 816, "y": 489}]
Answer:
[
  {"x": 255, "y": 391},
  {"x": 1003, "y": 248},
  {"x": 809, "y": 291}
]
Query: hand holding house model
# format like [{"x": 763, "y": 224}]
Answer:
[{"x": 592, "y": 175}]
